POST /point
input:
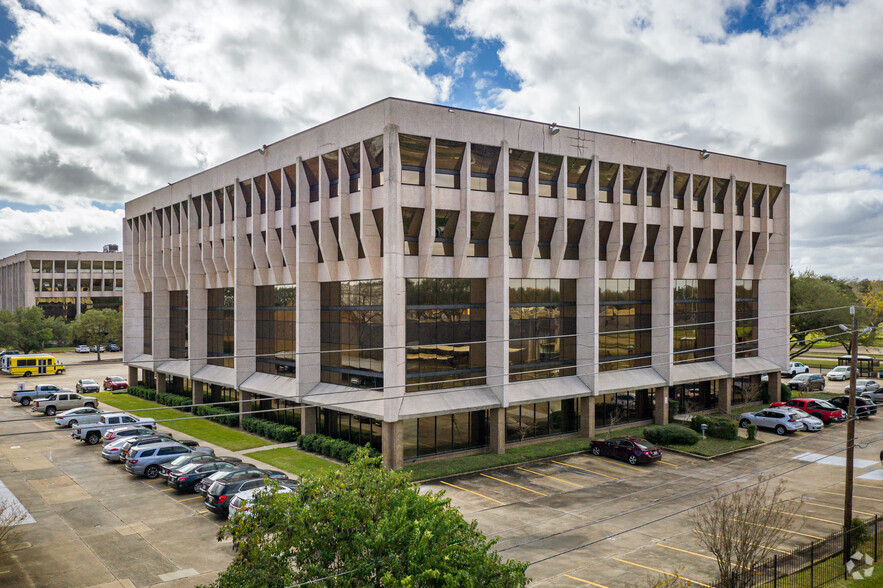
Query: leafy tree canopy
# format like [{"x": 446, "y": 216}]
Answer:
[
  {"x": 29, "y": 329},
  {"x": 97, "y": 327},
  {"x": 362, "y": 526}
]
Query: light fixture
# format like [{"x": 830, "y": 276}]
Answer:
[
  {"x": 704, "y": 154},
  {"x": 263, "y": 150},
  {"x": 450, "y": 110},
  {"x": 553, "y": 129}
]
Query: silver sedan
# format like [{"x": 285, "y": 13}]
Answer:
[
  {"x": 78, "y": 416},
  {"x": 810, "y": 423},
  {"x": 862, "y": 386}
]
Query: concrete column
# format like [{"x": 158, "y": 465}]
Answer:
[
  {"x": 308, "y": 420},
  {"x": 394, "y": 335},
  {"x": 497, "y": 290},
  {"x": 393, "y": 444},
  {"x": 160, "y": 382},
  {"x": 133, "y": 376},
  {"x": 245, "y": 404},
  {"x": 660, "y": 406},
  {"x": 775, "y": 386},
  {"x": 587, "y": 416},
  {"x": 497, "y": 439},
  {"x": 725, "y": 395},
  {"x": 198, "y": 391}
]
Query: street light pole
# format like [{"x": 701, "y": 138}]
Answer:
[{"x": 850, "y": 436}]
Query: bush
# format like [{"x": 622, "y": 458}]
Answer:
[
  {"x": 671, "y": 435},
  {"x": 270, "y": 429},
  {"x": 219, "y": 415},
  {"x": 786, "y": 392},
  {"x": 334, "y": 448},
  {"x": 718, "y": 427},
  {"x": 165, "y": 398},
  {"x": 752, "y": 432}
]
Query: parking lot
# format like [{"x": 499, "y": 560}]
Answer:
[
  {"x": 96, "y": 525},
  {"x": 583, "y": 520}
]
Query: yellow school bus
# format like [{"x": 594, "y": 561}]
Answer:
[{"x": 34, "y": 364}]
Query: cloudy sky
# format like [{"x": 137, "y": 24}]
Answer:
[{"x": 102, "y": 101}]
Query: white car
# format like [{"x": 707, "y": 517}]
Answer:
[
  {"x": 794, "y": 368},
  {"x": 82, "y": 349},
  {"x": 841, "y": 372},
  {"x": 241, "y": 501},
  {"x": 78, "y": 416},
  {"x": 863, "y": 386},
  {"x": 810, "y": 423}
]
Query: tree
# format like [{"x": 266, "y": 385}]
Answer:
[
  {"x": 11, "y": 516},
  {"x": 33, "y": 329},
  {"x": 739, "y": 528},
  {"x": 8, "y": 329},
  {"x": 361, "y": 526},
  {"x": 96, "y": 327}
]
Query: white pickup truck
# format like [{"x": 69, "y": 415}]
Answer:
[{"x": 92, "y": 433}]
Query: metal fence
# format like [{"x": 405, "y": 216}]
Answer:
[{"x": 816, "y": 564}]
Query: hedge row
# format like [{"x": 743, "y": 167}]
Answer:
[
  {"x": 671, "y": 435},
  {"x": 718, "y": 427},
  {"x": 164, "y": 398},
  {"x": 334, "y": 448},
  {"x": 219, "y": 415},
  {"x": 270, "y": 429}
]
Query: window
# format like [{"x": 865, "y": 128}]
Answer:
[
  {"x": 445, "y": 228},
  {"x": 549, "y": 169},
  {"x": 574, "y": 235},
  {"x": 655, "y": 181},
  {"x": 412, "y": 219},
  {"x": 275, "y": 184},
  {"x": 697, "y": 238},
  {"x": 246, "y": 193},
  {"x": 700, "y": 186},
  {"x": 331, "y": 163},
  {"x": 541, "y": 419},
  {"x": 517, "y": 224},
  {"x": 679, "y": 190},
  {"x": 650, "y": 249},
  {"x": 374, "y": 151},
  {"x": 483, "y": 167},
  {"x": 349, "y": 427},
  {"x": 351, "y": 158},
  {"x": 604, "y": 228},
  {"x": 352, "y": 333},
  {"x": 480, "y": 231},
  {"x": 624, "y": 407},
  {"x": 741, "y": 194},
  {"x": 59, "y": 267},
  {"x": 220, "y": 326},
  {"x": 755, "y": 237},
  {"x": 314, "y": 227},
  {"x": 441, "y": 434},
  {"x": 676, "y": 240},
  {"x": 445, "y": 324},
  {"x": 716, "y": 241},
  {"x": 71, "y": 267},
  {"x": 693, "y": 333},
  {"x": 276, "y": 410},
  {"x": 631, "y": 178},
  {"x": 746, "y": 318},
  {"x": 628, "y": 235},
  {"x": 774, "y": 192},
  {"x": 290, "y": 175},
  {"x": 719, "y": 194},
  {"x": 520, "y": 164},
  {"x": 687, "y": 398},
  {"x": 624, "y": 321},
  {"x": 577, "y": 176},
  {"x": 260, "y": 190},
  {"x": 311, "y": 171},
  {"x": 35, "y": 266},
  {"x": 414, "y": 151},
  {"x": 178, "y": 327},
  {"x": 356, "y": 220},
  {"x": 546, "y": 229},
  {"x": 542, "y": 325},
  {"x": 606, "y": 180},
  {"x": 757, "y": 191},
  {"x": 448, "y": 160},
  {"x": 147, "y": 323}
]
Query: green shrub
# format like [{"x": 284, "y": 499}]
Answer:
[
  {"x": 165, "y": 398},
  {"x": 671, "y": 435},
  {"x": 718, "y": 427},
  {"x": 752, "y": 432},
  {"x": 786, "y": 392},
  {"x": 219, "y": 415},
  {"x": 334, "y": 448},
  {"x": 270, "y": 429}
]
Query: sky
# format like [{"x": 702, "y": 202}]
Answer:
[{"x": 102, "y": 101}]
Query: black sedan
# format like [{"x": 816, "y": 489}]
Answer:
[
  {"x": 180, "y": 462},
  {"x": 631, "y": 449},
  {"x": 186, "y": 477},
  {"x": 864, "y": 407},
  {"x": 202, "y": 486}
]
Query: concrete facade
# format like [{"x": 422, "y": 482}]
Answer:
[
  {"x": 76, "y": 280},
  {"x": 266, "y": 217}
]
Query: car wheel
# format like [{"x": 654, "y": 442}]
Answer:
[
  {"x": 93, "y": 438},
  {"x": 90, "y": 405},
  {"x": 781, "y": 430},
  {"x": 27, "y": 374},
  {"x": 50, "y": 411},
  {"x": 596, "y": 450},
  {"x": 744, "y": 423},
  {"x": 151, "y": 472},
  {"x": 73, "y": 423},
  {"x": 25, "y": 401},
  {"x": 633, "y": 460},
  {"x": 106, "y": 388}
]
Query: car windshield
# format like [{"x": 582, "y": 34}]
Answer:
[
  {"x": 643, "y": 444},
  {"x": 863, "y": 382},
  {"x": 825, "y": 404},
  {"x": 180, "y": 460},
  {"x": 88, "y": 381},
  {"x": 189, "y": 468}
]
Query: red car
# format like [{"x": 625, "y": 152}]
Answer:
[
  {"x": 631, "y": 449},
  {"x": 821, "y": 409},
  {"x": 115, "y": 383}
]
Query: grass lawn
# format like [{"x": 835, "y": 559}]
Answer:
[
  {"x": 200, "y": 428},
  {"x": 709, "y": 447},
  {"x": 294, "y": 461}
]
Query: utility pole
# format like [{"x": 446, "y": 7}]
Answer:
[{"x": 850, "y": 437}]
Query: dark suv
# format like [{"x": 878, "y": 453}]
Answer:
[
  {"x": 807, "y": 382},
  {"x": 219, "y": 494},
  {"x": 864, "y": 407}
]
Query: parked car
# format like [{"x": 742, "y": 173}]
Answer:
[
  {"x": 128, "y": 431},
  {"x": 807, "y": 382},
  {"x": 81, "y": 349},
  {"x": 876, "y": 396},
  {"x": 818, "y": 408},
  {"x": 75, "y": 416},
  {"x": 184, "y": 460},
  {"x": 115, "y": 383},
  {"x": 87, "y": 385},
  {"x": 864, "y": 406},
  {"x": 794, "y": 368},
  {"x": 778, "y": 419},
  {"x": 862, "y": 386},
  {"x": 145, "y": 461},
  {"x": 839, "y": 373},
  {"x": 94, "y": 348},
  {"x": 113, "y": 348},
  {"x": 810, "y": 423},
  {"x": 186, "y": 477},
  {"x": 112, "y": 449},
  {"x": 64, "y": 400},
  {"x": 25, "y": 397},
  {"x": 218, "y": 495},
  {"x": 243, "y": 500},
  {"x": 92, "y": 433},
  {"x": 631, "y": 449},
  {"x": 202, "y": 486},
  {"x": 136, "y": 443}
]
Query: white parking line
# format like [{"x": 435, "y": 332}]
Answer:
[
  {"x": 833, "y": 460},
  {"x": 874, "y": 475}
]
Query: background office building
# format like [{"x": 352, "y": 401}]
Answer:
[
  {"x": 63, "y": 283},
  {"x": 433, "y": 280}
]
